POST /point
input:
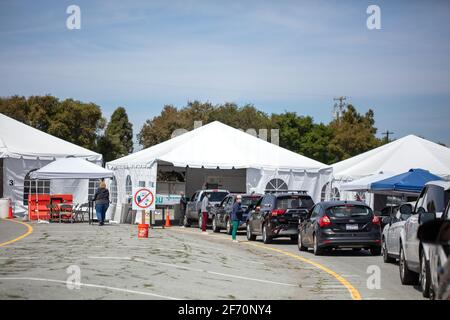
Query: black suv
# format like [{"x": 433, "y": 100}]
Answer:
[
  {"x": 277, "y": 215},
  {"x": 340, "y": 224},
  {"x": 221, "y": 212}
]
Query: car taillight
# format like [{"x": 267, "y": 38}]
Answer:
[
  {"x": 376, "y": 220},
  {"x": 324, "y": 221},
  {"x": 278, "y": 212}
]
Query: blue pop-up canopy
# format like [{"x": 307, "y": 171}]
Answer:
[{"x": 408, "y": 182}]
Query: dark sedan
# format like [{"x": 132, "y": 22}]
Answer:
[
  {"x": 340, "y": 224},
  {"x": 221, "y": 213}
]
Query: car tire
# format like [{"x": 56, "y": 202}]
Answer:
[
  {"x": 294, "y": 238},
  {"x": 229, "y": 227},
  {"x": 424, "y": 276},
  {"x": 407, "y": 277},
  {"x": 301, "y": 247},
  {"x": 386, "y": 257},
  {"x": 250, "y": 235},
  {"x": 215, "y": 228},
  {"x": 266, "y": 238},
  {"x": 317, "y": 250},
  {"x": 186, "y": 221},
  {"x": 375, "y": 251}
]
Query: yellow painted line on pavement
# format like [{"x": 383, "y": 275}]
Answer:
[
  {"x": 354, "y": 293},
  {"x": 351, "y": 289},
  {"x": 26, "y": 234}
]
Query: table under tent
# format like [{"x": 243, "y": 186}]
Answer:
[{"x": 214, "y": 156}]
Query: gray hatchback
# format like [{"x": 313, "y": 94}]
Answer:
[{"x": 340, "y": 224}]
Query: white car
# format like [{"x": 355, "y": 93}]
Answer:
[
  {"x": 414, "y": 256},
  {"x": 394, "y": 232},
  {"x": 437, "y": 234}
]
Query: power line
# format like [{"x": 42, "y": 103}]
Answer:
[
  {"x": 338, "y": 108},
  {"x": 387, "y": 134}
]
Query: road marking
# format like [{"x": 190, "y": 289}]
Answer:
[
  {"x": 196, "y": 270},
  {"x": 89, "y": 285},
  {"x": 26, "y": 234},
  {"x": 354, "y": 293}
]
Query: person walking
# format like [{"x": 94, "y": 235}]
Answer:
[
  {"x": 235, "y": 212},
  {"x": 101, "y": 198},
  {"x": 183, "y": 204},
  {"x": 205, "y": 208}
]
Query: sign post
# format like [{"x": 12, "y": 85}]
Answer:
[{"x": 143, "y": 198}]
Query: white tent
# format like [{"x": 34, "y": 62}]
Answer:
[
  {"x": 24, "y": 149},
  {"x": 218, "y": 146},
  {"x": 364, "y": 184},
  {"x": 71, "y": 168},
  {"x": 393, "y": 158},
  {"x": 397, "y": 157}
]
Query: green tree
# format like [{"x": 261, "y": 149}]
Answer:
[
  {"x": 71, "y": 120},
  {"x": 118, "y": 138},
  {"x": 353, "y": 134},
  {"x": 300, "y": 134},
  {"x": 15, "y": 107}
]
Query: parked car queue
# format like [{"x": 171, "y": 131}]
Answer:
[{"x": 334, "y": 225}]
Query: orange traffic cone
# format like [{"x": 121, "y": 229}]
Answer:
[
  {"x": 167, "y": 220},
  {"x": 10, "y": 211}
]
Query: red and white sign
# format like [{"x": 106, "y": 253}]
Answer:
[{"x": 143, "y": 199}]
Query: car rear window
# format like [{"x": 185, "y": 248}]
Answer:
[
  {"x": 249, "y": 201},
  {"x": 216, "y": 196},
  {"x": 343, "y": 211},
  {"x": 294, "y": 202}
]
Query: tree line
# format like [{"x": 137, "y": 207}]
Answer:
[
  {"x": 84, "y": 124},
  {"x": 346, "y": 136}
]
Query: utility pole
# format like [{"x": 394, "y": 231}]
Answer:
[
  {"x": 338, "y": 108},
  {"x": 387, "y": 134}
]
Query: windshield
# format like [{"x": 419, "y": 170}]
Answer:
[
  {"x": 294, "y": 202},
  {"x": 249, "y": 201},
  {"x": 215, "y": 196},
  {"x": 349, "y": 211}
]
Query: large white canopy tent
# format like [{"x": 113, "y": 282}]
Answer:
[
  {"x": 218, "y": 146},
  {"x": 24, "y": 149},
  {"x": 393, "y": 158}
]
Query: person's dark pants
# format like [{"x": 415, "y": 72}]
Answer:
[
  {"x": 100, "y": 209},
  {"x": 182, "y": 214},
  {"x": 204, "y": 221}
]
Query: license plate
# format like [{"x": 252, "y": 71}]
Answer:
[
  {"x": 351, "y": 227},
  {"x": 295, "y": 215}
]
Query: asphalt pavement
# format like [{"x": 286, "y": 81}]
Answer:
[{"x": 81, "y": 261}]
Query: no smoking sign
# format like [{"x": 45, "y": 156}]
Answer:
[{"x": 143, "y": 198}]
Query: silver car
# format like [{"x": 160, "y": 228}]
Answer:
[
  {"x": 394, "y": 233},
  {"x": 437, "y": 234},
  {"x": 414, "y": 259}
]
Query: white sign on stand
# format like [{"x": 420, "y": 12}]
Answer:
[{"x": 143, "y": 198}]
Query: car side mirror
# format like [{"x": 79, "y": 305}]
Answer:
[
  {"x": 406, "y": 209},
  {"x": 426, "y": 217},
  {"x": 386, "y": 220},
  {"x": 435, "y": 232}
]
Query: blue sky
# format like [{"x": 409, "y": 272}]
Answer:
[{"x": 278, "y": 55}]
